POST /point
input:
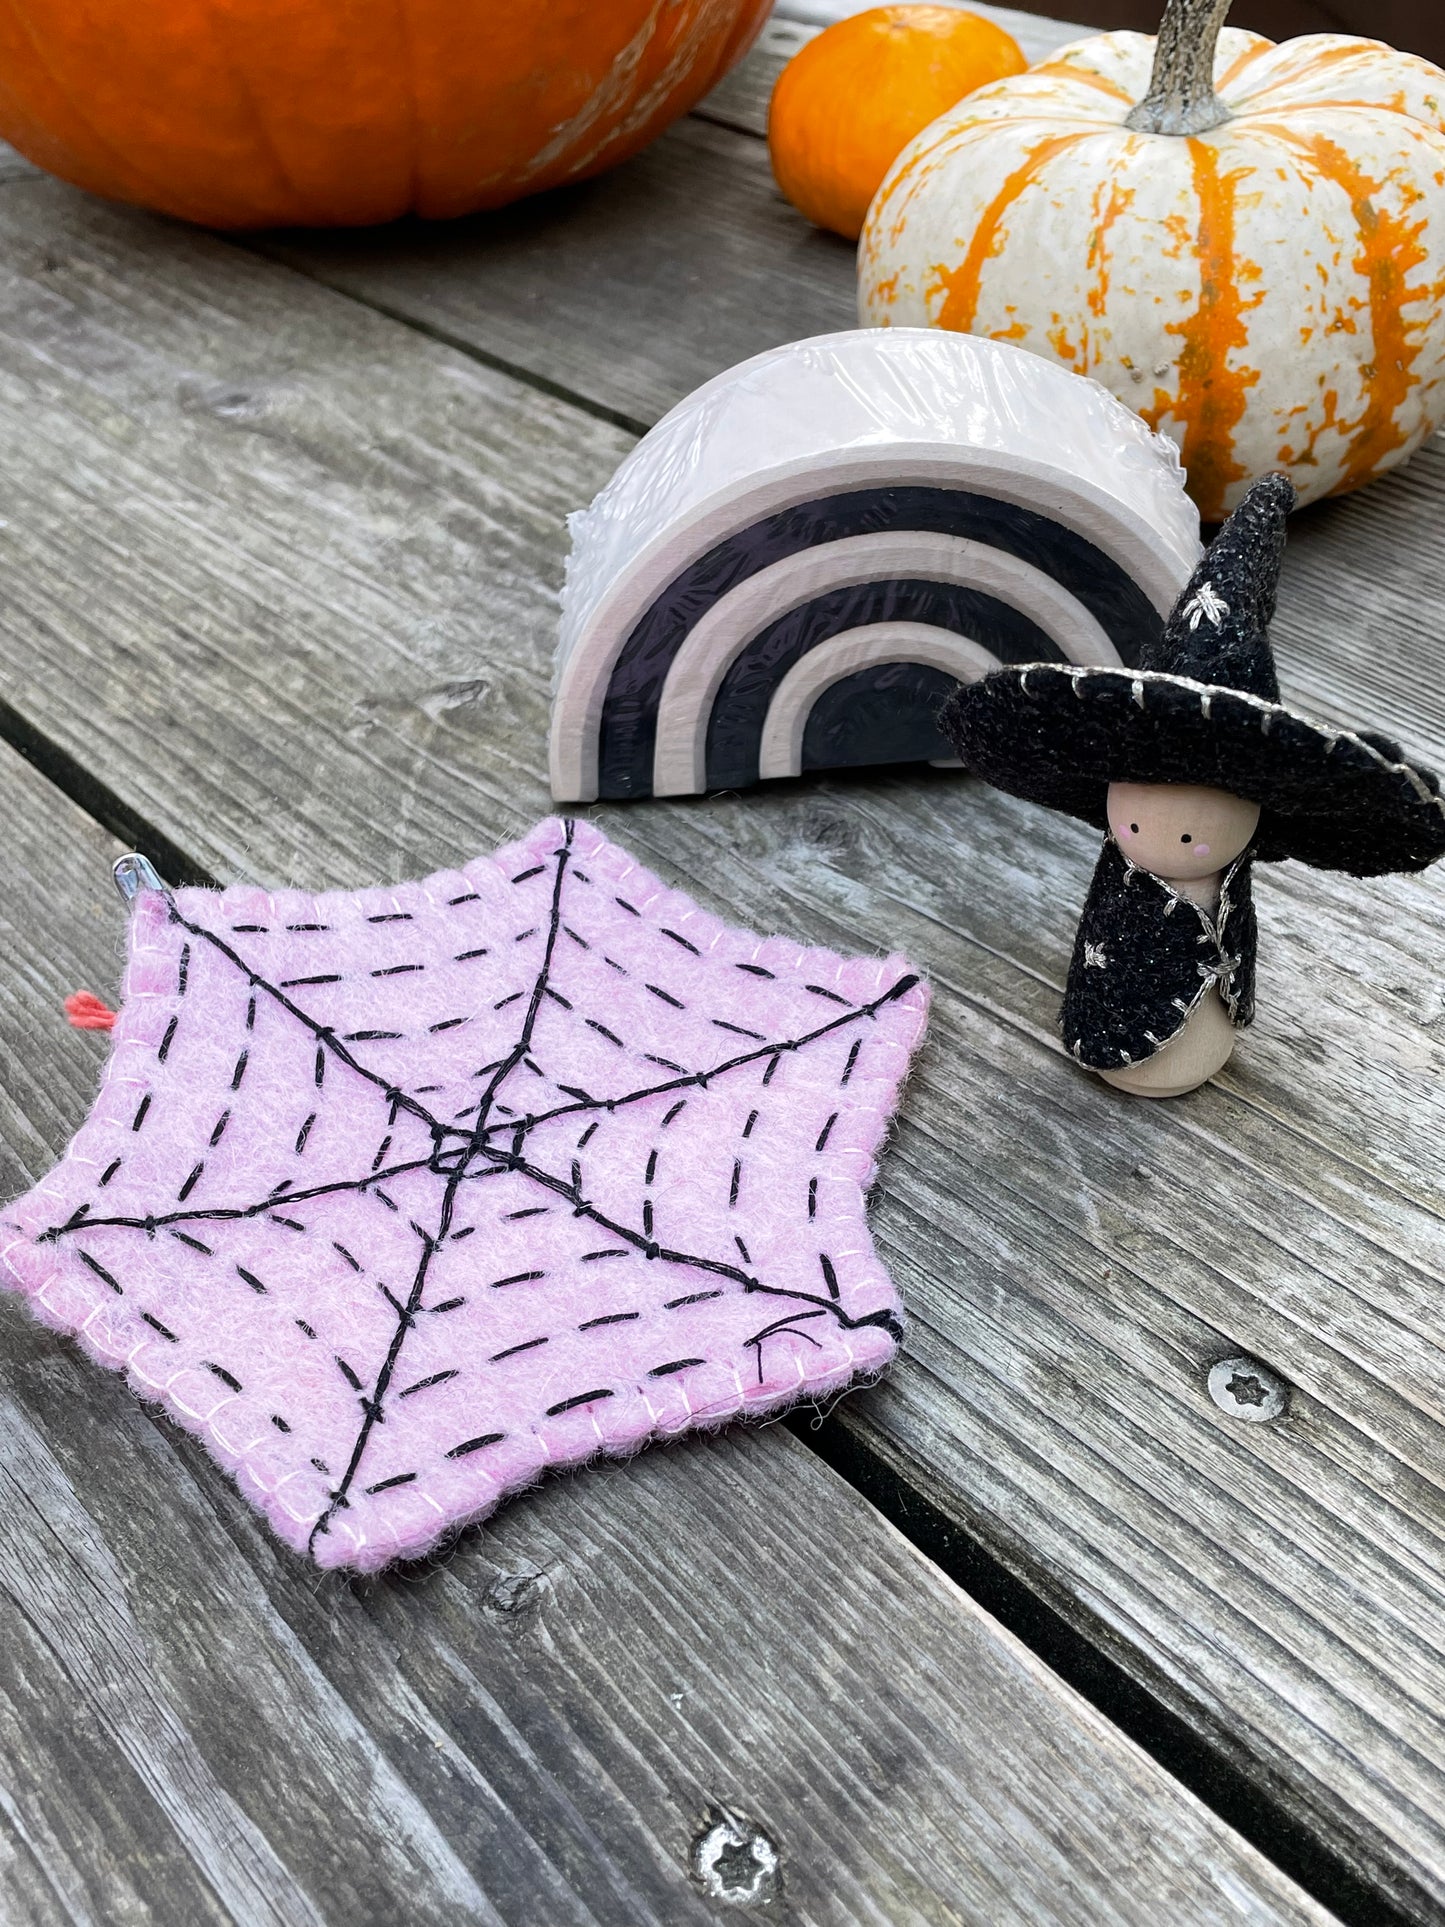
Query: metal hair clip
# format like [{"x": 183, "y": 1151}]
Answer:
[{"x": 133, "y": 874}]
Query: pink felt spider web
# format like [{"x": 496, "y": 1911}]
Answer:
[{"x": 395, "y": 1198}]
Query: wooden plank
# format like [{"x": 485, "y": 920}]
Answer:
[
  {"x": 627, "y": 291},
  {"x": 279, "y": 573},
  {"x": 544, "y": 1725}
]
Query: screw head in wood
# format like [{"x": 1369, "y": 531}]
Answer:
[
  {"x": 735, "y": 1862},
  {"x": 1247, "y": 1390}
]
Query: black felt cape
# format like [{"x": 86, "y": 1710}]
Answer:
[{"x": 1145, "y": 956}]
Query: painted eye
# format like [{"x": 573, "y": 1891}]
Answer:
[
  {"x": 1186, "y": 838},
  {"x": 1133, "y": 829}
]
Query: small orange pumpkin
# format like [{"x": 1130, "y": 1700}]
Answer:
[
  {"x": 259, "y": 113},
  {"x": 849, "y": 102},
  {"x": 1246, "y": 242}
]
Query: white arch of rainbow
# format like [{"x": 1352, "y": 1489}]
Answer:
[{"x": 792, "y": 571}]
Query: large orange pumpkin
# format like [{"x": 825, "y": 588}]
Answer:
[{"x": 257, "y": 113}]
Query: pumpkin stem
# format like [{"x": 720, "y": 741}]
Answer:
[{"x": 1181, "y": 97}]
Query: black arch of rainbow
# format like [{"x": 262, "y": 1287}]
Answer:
[{"x": 628, "y": 726}]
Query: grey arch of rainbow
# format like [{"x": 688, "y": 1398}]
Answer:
[{"x": 826, "y": 632}]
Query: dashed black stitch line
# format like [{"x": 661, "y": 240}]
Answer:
[
  {"x": 612, "y": 1251},
  {"x": 631, "y": 908},
  {"x": 666, "y": 996},
  {"x": 185, "y": 1238},
  {"x": 465, "y": 1232},
  {"x": 666, "y": 1063},
  {"x": 651, "y": 1172},
  {"x": 218, "y": 1129},
  {"x": 756, "y": 970},
  {"x": 752, "y": 1120},
  {"x": 771, "y": 1072},
  {"x": 346, "y": 1372},
  {"x": 298, "y": 983},
  {"x": 322, "y": 1467},
  {"x": 240, "y": 1070},
  {"x": 647, "y": 1218},
  {"x": 830, "y": 1276},
  {"x": 678, "y": 1108},
  {"x": 475, "y": 1445},
  {"x": 398, "y": 970},
  {"x": 527, "y": 1345},
  {"x": 686, "y": 943},
  {"x": 446, "y": 1023},
  {"x": 308, "y": 926},
  {"x": 110, "y": 1170},
  {"x": 576, "y": 1090},
  {"x": 535, "y": 871},
  {"x": 164, "y": 1330},
  {"x": 386, "y": 1485},
  {"x": 250, "y": 1278},
  {"x": 504, "y": 1002},
  {"x": 249, "y": 929},
  {"x": 470, "y": 956},
  {"x": 529, "y": 1211},
  {"x": 471, "y": 896},
  {"x": 826, "y": 1133},
  {"x": 305, "y": 1132},
  {"x": 576, "y": 1175},
  {"x": 821, "y": 990},
  {"x": 226, "y": 1378},
  {"x": 581, "y": 1398},
  {"x": 425, "y": 1384},
  {"x": 392, "y": 916},
  {"x": 692, "y": 1298},
  {"x": 163, "y": 1049},
  {"x": 302, "y": 1324},
  {"x": 320, "y": 1065},
  {"x": 370, "y": 1036},
  {"x": 742, "y": 1248},
  {"x": 603, "y": 1031},
  {"x": 609, "y": 1318},
  {"x": 531, "y": 1064},
  {"x": 852, "y": 1060},
  {"x": 570, "y": 932},
  {"x": 812, "y": 1199},
  {"x": 279, "y": 1422},
  {"x": 251, "y": 1013},
  {"x": 140, "y": 1115},
  {"x": 587, "y": 1134},
  {"x": 737, "y": 1180},
  {"x": 190, "y": 1184},
  {"x": 451, "y": 1304},
  {"x": 612, "y": 964},
  {"x": 558, "y": 998},
  {"x": 516, "y": 1278},
  {"x": 381, "y": 1151},
  {"x": 100, "y": 1271},
  {"x": 522, "y": 935},
  {"x": 676, "y": 1365},
  {"x": 183, "y": 970},
  {"x": 740, "y": 1030},
  {"x": 291, "y": 1224}
]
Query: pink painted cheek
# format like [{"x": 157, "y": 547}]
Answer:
[{"x": 1201, "y": 849}]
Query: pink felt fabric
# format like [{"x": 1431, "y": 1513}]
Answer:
[{"x": 397, "y": 1197}]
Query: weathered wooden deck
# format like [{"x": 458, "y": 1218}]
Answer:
[{"x": 281, "y": 535}]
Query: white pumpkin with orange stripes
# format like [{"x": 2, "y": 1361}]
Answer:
[{"x": 1244, "y": 241}]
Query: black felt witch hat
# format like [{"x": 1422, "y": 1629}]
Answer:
[{"x": 1203, "y": 707}]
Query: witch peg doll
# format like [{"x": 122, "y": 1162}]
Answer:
[{"x": 1193, "y": 768}]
